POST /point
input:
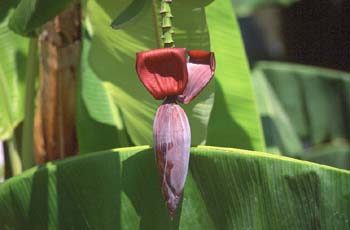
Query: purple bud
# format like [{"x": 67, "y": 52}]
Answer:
[{"x": 172, "y": 143}]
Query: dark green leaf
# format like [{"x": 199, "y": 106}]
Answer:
[
  {"x": 5, "y": 7},
  {"x": 305, "y": 105},
  {"x": 316, "y": 99},
  {"x": 280, "y": 135},
  {"x": 31, "y": 14},
  {"x": 128, "y": 14}
]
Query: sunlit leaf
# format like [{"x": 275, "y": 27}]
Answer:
[
  {"x": 13, "y": 49},
  {"x": 234, "y": 119},
  {"x": 99, "y": 123},
  {"x": 225, "y": 189}
]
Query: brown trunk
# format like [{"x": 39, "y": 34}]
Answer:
[{"x": 54, "y": 130}]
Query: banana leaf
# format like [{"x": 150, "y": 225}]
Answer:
[
  {"x": 13, "y": 52},
  {"x": 96, "y": 111},
  {"x": 5, "y": 7},
  {"x": 305, "y": 111},
  {"x": 225, "y": 189},
  {"x": 280, "y": 135},
  {"x": 316, "y": 99},
  {"x": 29, "y": 15},
  {"x": 234, "y": 121}
]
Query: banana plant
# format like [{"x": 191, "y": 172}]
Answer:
[{"x": 107, "y": 188}]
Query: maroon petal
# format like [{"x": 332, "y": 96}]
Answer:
[
  {"x": 172, "y": 142},
  {"x": 201, "y": 67},
  {"x": 163, "y": 71}
]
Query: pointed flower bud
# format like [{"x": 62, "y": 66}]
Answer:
[{"x": 172, "y": 142}]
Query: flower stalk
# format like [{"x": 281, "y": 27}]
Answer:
[{"x": 167, "y": 30}]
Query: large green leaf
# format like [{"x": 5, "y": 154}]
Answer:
[
  {"x": 225, "y": 189},
  {"x": 113, "y": 56},
  {"x": 96, "y": 111},
  {"x": 234, "y": 119},
  {"x": 13, "y": 49},
  {"x": 31, "y": 14}
]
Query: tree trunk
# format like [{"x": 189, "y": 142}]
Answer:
[{"x": 60, "y": 44}]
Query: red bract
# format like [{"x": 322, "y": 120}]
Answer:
[{"x": 165, "y": 72}]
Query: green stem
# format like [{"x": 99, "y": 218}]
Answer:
[
  {"x": 165, "y": 12},
  {"x": 155, "y": 21},
  {"x": 28, "y": 124},
  {"x": 15, "y": 160}
]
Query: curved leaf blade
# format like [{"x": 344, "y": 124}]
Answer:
[
  {"x": 280, "y": 135},
  {"x": 234, "y": 120},
  {"x": 305, "y": 92},
  {"x": 225, "y": 189},
  {"x": 13, "y": 52},
  {"x": 136, "y": 7},
  {"x": 31, "y": 14},
  {"x": 97, "y": 111},
  {"x": 5, "y": 7},
  {"x": 128, "y": 14}
]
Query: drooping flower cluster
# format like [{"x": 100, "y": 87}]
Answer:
[{"x": 173, "y": 74}]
